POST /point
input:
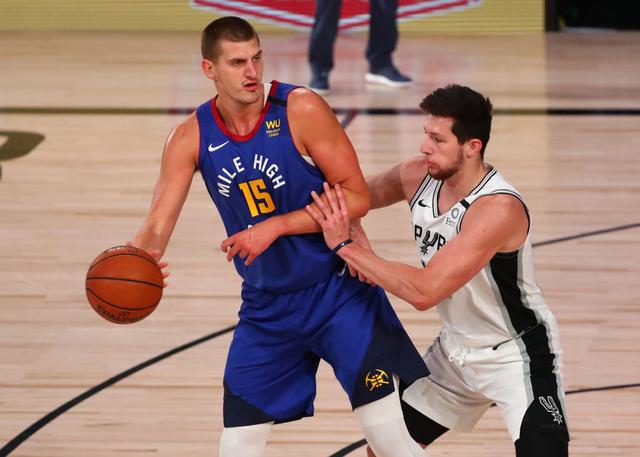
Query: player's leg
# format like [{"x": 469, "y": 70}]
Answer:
[
  {"x": 543, "y": 430},
  {"x": 366, "y": 345},
  {"x": 443, "y": 400},
  {"x": 269, "y": 374},
  {"x": 422, "y": 429},
  {"x": 384, "y": 428},
  {"x": 528, "y": 390},
  {"x": 247, "y": 441}
]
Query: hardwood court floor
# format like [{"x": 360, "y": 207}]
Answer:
[{"x": 87, "y": 186}]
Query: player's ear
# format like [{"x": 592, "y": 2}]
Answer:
[
  {"x": 473, "y": 147},
  {"x": 208, "y": 68}
]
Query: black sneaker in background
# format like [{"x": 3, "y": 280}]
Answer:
[{"x": 388, "y": 76}]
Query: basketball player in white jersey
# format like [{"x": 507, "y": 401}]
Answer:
[{"x": 499, "y": 340}]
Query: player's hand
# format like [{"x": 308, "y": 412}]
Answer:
[
  {"x": 155, "y": 253},
  {"x": 250, "y": 243},
  {"x": 332, "y": 218},
  {"x": 359, "y": 236}
]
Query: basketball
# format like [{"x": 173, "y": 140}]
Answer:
[{"x": 124, "y": 284}]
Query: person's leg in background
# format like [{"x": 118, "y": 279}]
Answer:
[
  {"x": 383, "y": 38},
  {"x": 321, "y": 41}
]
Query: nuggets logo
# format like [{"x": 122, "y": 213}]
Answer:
[
  {"x": 376, "y": 380},
  {"x": 273, "y": 127}
]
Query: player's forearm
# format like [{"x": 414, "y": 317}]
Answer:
[
  {"x": 153, "y": 236},
  {"x": 403, "y": 281},
  {"x": 299, "y": 221}
]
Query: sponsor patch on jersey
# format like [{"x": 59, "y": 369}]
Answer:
[
  {"x": 376, "y": 379},
  {"x": 273, "y": 127}
]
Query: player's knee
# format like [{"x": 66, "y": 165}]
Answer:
[
  {"x": 542, "y": 434},
  {"x": 384, "y": 428},
  {"x": 248, "y": 441}
]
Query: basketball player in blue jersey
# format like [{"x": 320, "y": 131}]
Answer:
[
  {"x": 499, "y": 342},
  {"x": 261, "y": 150}
]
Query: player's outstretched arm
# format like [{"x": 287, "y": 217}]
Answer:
[
  {"x": 179, "y": 161},
  {"x": 496, "y": 223}
]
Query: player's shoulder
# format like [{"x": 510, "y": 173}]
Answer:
[
  {"x": 186, "y": 131},
  {"x": 305, "y": 102},
  {"x": 412, "y": 172},
  {"x": 500, "y": 207},
  {"x": 184, "y": 140},
  {"x": 416, "y": 165}
]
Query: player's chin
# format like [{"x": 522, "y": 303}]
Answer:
[{"x": 250, "y": 97}]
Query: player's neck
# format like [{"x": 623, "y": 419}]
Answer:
[
  {"x": 240, "y": 118},
  {"x": 465, "y": 180}
]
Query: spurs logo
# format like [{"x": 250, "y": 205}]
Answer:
[
  {"x": 550, "y": 405},
  {"x": 430, "y": 240},
  {"x": 376, "y": 380}
]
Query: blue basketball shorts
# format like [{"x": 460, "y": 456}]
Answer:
[{"x": 280, "y": 338}]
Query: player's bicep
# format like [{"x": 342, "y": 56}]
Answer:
[
  {"x": 481, "y": 237},
  {"x": 315, "y": 125},
  {"x": 176, "y": 173}
]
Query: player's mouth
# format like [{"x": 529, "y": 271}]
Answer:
[{"x": 251, "y": 86}]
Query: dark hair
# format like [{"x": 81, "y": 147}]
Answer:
[
  {"x": 471, "y": 112},
  {"x": 228, "y": 28}
]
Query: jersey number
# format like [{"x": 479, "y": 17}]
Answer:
[{"x": 258, "y": 200}]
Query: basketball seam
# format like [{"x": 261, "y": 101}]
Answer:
[
  {"x": 153, "y": 262},
  {"x": 120, "y": 307},
  {"x": 125, "y": 279}
]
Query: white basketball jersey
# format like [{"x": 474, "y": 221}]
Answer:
[{"x": 502, "y": 301}]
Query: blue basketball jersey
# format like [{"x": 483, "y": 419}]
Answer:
[{"x": 260, "y": 175}]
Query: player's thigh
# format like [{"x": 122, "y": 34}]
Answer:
[
  {"x": 540, "y": 436},
  {"x": 543, "y": 430},
  {"x": 268, "y": 377},
  {"x": 422, "y": 429},
  {"x": 445, "y": 396},
  {"x": 365, "y": 344}
]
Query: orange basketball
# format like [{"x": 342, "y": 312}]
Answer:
[{"x": 124, "y": 284}]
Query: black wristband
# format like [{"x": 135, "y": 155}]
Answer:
[{"x": 341, "y": 245}]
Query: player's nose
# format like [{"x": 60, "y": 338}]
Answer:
[
  {"x": 250, "y": 70},
  {"x": 426, "y": 145}
]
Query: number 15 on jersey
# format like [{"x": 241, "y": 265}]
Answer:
[{"x": 258, "y": 200}]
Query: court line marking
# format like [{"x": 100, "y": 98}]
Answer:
[
  {"x": 29, "y": 431},
  {"x": 24, "y": 435},
  {"x": 118, "y": 110}
]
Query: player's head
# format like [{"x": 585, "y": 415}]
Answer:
[
  {"x": 232, "y": 58},
  {"x": 457, "y": 128}
]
